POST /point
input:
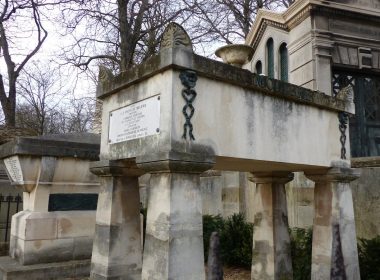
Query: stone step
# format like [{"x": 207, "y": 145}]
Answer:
[{"x": 10, "y": 269}]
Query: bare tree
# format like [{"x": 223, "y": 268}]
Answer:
[
  {"x": 119, "y": 33},
  {"x": 76, "y": 115},
  {"x": 17, "y": 19},
  {"x": 40, "y": 86},
  {"x": 226, "y": 21},
  {"x": 80, "y": 116}
]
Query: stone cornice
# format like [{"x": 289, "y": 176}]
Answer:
[
  {"x": 41, "y": 146},
  {"x": 302, "y": 9},
  {"x": 263, "y": 18},
  {"x": 263, "y": 27},
  {"x": 179, "y": 59}
]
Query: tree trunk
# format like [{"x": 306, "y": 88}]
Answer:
[{"x": 8, "y": 104}]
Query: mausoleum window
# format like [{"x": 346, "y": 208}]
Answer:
[
  {"x": 270, "y": 58},
  {"x": 283, "y": 62},
  {"x": 259, "y": 67}
]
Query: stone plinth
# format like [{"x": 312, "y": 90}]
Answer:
[
  {"x": 60, "y": 197},
  {"x": 271, "y": 256},
  {"x": 117, "y": 251},
  {"x": 173, "y": 240},
  {"x": 11, "y": 269},
  {"x": 335, "y": 254}
]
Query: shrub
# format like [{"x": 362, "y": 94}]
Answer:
[
  {"x": 369, "y": 258},
  {"x": 301, "y": 244},
  {"x": 235, "y": 238},
  {"x": 236, "y": 241}
]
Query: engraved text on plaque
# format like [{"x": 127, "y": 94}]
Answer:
[{"x": 135, "y": 121}]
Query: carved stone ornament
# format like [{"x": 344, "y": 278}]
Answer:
[
  {"x": 175, "y": 36},
  {"x": 189, "y": 80}
]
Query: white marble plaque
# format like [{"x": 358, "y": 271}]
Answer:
[
  {"x": 14, "y": 168},
  {"x": 135, "y": 121}
]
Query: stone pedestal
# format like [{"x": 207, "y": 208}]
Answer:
[
  {"x": 173, "y": 241},
  {"x": 117, "y": 250},
  {"x": 335, "y": 254},
  {"x": 271, "y": 257}
]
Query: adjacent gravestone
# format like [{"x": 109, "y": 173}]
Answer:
[
  {"x": 60, "y": 194},
  {"x": 214, "y": 262}
]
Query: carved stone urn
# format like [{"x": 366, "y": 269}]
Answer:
[{"x": 235, "y": 54}]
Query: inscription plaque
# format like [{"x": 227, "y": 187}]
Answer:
[
  {"x": 135, "y": 121},
  {"x": 72, "y": 201},
  {"x": 14, "y": 168}
]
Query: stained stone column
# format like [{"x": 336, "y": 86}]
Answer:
[
  {"x": 211, "y": 190},
  {"x": 271, "y": 257},
  {"x": 117, "y": 252},
  {"x": 173, "y": 240},
  {"x": 335, "y": 254}
]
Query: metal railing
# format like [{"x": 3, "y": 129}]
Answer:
[{"x": 9, "y": 205}]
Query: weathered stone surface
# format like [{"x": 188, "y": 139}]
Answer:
[
  {"x": 79, "y": 145},
  {"x": 335, "y": 252},
  {"x": 271, "y": 256},
  {"x": 43, "y": 166},
  {"x": 211, "y": 189},
  {"x": 117, "y": 249},
  {"x": 178, "y": 58},
  {"x": 300, "y": 199},
  {"x": 175, "y": 36},
  {"x": 214, "y": 262},
  {"x": 259, "y": 119},
  {"x": 10, "y": 269},
  {"x": 366, "y": 196},
  {"x": 173, "y": 240}
]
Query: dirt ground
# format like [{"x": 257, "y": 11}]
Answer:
[
  {"x": 230, "y": 273},
  {"x": 233, "y": 273}
]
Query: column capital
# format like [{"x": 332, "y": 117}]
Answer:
[
  {"x": 334, "y": 174},
  {"x": 177, "y": 162},
  {"x": 114, "y": 168},
  {"x": 279, "y": 177}
]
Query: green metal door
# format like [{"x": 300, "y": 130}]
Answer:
[{"x": 365, "y": 125}]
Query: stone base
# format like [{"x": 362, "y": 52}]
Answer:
[{"x": 10, "y": 269}]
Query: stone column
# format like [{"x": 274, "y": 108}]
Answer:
[
  {"x": 335, "y": 254},
  {"x": 117, "y": 251},
  {"x": 173, "y": 240},
  {"x": 211, "y": 190},
  {"x": 271, "y": 257}
]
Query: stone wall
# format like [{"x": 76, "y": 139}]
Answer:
[{"x": 366, "y": 195}]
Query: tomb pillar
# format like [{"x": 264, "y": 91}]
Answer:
[
  {"x": 174, "y": 235},
  {"x": 117, "y": 250},
  {"x": 271, "y": 257},
  {"x": 334, "y": 253}
]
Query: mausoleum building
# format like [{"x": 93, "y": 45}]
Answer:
[{"x": 328, "y": 46}]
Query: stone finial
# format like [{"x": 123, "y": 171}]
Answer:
[
  {"x": 175, "y": 36},
  {"x": 105, "y": 74}
]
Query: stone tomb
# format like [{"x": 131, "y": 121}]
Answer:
[
  {"x": 178, "y": 115},
  {"x": 59, "y": 205}
]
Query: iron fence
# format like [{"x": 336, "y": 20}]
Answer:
[{"x": 9, "y": 205}]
